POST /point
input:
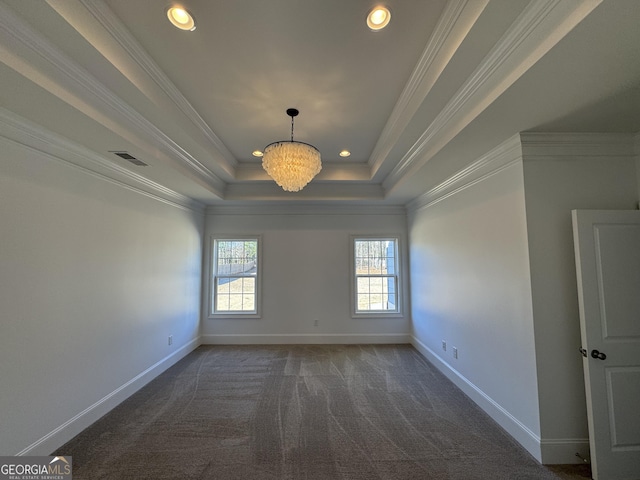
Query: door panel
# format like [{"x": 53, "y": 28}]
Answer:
[
  {"x": 623, "y": 383},
  {"x": 607, "y": 249},
  {"x": 618, "y": 279}
]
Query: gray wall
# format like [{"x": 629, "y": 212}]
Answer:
[
  {"x": 493, "y": 273},
  {"x": 470, "y": 286},
  {"x": 94, "y": 277},
  {"x": 564, "y": 172},
  {"x": 305, "y": 275}
]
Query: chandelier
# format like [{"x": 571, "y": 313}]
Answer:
[{"x": 291, "y": 164}]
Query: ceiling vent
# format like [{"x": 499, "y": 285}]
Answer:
[{"x": 130, "y": 158}]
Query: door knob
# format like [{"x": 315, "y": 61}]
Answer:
[{"x": 597, "y": 354}]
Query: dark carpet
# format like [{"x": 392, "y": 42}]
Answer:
[{"x": 302, "y": 412}]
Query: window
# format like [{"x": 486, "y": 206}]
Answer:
[
  {"x": 235, "y": 268},
  {"x": 375, "y": 262}
]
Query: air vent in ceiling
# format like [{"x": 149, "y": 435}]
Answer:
[{"x": 130, "y": 158}]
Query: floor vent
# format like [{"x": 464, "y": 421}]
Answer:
[{"x": 130, "y": 158}]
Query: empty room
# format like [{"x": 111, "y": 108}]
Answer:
[{"x": 320, "y": 239}]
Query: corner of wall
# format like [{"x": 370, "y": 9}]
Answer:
[{"x": 565, "y": 171}]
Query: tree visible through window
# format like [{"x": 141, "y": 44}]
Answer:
[
  {"x": 376, "y": 275},
  {"x": 235, "y": 274}
]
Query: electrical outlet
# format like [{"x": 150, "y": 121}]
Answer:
[
  {"x": 170, "y": 339},
  {"x": 455, "y": 352},
  {"x": 315, "y": 322},
  {"x": 444, "y": 345}
]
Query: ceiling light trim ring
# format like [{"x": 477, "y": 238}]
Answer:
[
  {"x": 186, "y": 24},
  {"x": 376, "y": 24}
]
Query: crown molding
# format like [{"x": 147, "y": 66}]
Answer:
[
  {"x": 501, "y": 157},
  {"x": 452, "y": 28},
  {"x": 296, "y": 209},
  {"x": 540, "y": 26},
  {"x": 330, "y": 171},
  {"x": 46, "y": 66},
  {"x": 36, "y": 138},
  {"x": 547, "y": 146},
  {"x": 530, "y": 146},
  {"x": 269, "y": 191},
  {"x": 116, "y": 29}
]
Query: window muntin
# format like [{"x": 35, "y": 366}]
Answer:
[
  {"x": 376, "y": 275},
  {"x": 235, "y": 276}
]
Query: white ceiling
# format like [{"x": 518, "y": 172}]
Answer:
[{"x": 444, "y": 83}]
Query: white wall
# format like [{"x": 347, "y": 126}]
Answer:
[
  {"x": 564, "y": 172},
  {"x": 94, "y": 277},
  {"x": 305, "y": 275},
  {"x": 470, "y": 286},
  {"x": 516, "y": 325}
]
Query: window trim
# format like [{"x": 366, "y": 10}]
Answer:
[
  {"x": 212, "y": 314},
  {"x": 398, "y": 312}
]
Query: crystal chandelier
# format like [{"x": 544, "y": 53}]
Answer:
[{"x": 291, "y": 164}]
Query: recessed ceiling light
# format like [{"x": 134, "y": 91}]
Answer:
[
  {"x": 181, "y": 18},
  {"x": 344, "y": 153},
  {"x": 378, "y": 18},
  {"x": 257, "y": 153}
]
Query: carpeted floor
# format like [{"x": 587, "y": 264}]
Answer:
[{"x": 302, "y": 412}]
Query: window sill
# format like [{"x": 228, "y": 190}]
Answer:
[
  {"x": 232, "y": 316},
  {"x": 377, "y": 315}
]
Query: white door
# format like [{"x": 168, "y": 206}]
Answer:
[{"x": 607, "y": 249}]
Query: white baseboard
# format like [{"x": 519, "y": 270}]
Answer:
[
  {"x": 72, "y": 427},
  {"x": 564, "y": 450},
  {"x": 302, "y": 339},
  {"x": 548, "y": 451},
  {"x": 523, "y": 435}
]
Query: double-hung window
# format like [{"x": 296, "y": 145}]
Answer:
[
  {"x": 235, "y": 276},
  {"x": 376, "y": 276}
]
